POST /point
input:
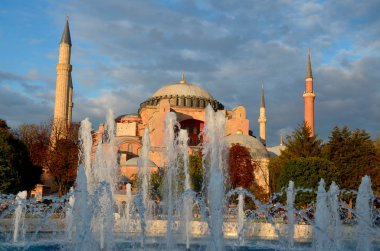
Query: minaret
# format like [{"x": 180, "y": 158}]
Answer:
[
  {"x": 262, "y": 119},
  {"x": 309, "y": 97},
  {"x": 64, "y": 90}
]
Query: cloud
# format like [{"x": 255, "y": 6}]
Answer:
[{"x": 125, "y": 50}]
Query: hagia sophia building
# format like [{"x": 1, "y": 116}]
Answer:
[{"x": 188, "y": 101}]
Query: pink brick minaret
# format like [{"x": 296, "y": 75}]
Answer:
[{"x": 309, "y": 97}]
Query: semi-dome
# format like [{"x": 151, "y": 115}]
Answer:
[
  {"x": 137, "y": 161},
  {"x": 255, "y": 147},
  {"x": 183, "y": 94}
]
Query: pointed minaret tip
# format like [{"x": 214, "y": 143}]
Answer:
[
  {"x": 66, "y": 33},
  {"x": 182, "y": 81},
  {"x": 262, "y": 104},
  {"x": 309, "y": 73},
  {"x": 281, "y": 140}
]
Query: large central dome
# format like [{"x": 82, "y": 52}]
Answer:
[
  {"x": 183, "y": 94},
  {"x": 184, "y": 89}
]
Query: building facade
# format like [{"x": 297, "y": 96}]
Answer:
[{"x": 189, "y": 102}]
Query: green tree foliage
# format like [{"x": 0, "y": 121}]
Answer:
[
  {"x": 306, "y": 173},
  {"x": 301, "y": 145},
  {"x": 275, "y": 166},
  {"x": 196, "y": 172},
  {"x": 156, "y": 179},
  {"x": 298, "y": 145},
  {"x": 17, "y": 172},
  {"x": 240, "y": 166},
  {"x": 354, "y": 155}
]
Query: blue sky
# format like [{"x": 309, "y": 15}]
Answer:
[{"x": 125, "y": 50}]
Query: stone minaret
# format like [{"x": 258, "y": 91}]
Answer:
[
  {"x": 262, "y": 119},
  {"x": 309, "y": 97},
  {"x": 64, "y": 89}
]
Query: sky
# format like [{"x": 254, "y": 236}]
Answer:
[{"x": 123, "y": 51}]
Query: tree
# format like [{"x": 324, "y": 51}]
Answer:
[
  {"x": 196, "y": 172},
  {"x": 156, "y": 179},
  {"x": 275, "y": 166},
  {"x": 240, "y": 166},
  {"x": 300, "y": 144},
  {"x": 62, "y": 158},
  {"x": 306, "y": 173},
  {"x": 354, "y": 155},
  {"x": 37, "y": 140},
  {"x": 17, "y": 172}
]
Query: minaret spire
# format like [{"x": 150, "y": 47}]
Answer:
[
  {"x": 182, "y": 81},
  {"x": 66, "y": 33},
  {"x": 262, "y": 103},
  {"x": 309, "y": 73},
  {"x": 262, "y": 119},
  {"x": 309, "y": 97}
]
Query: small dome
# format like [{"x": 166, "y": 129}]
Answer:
[
  {"x": 137, "y": 161},
  {"x": 182, "y": 90},
  {"x": 275, "y": 151},
  {"x": 255, "y": 147},
  {"x": 128, "y": 115}
]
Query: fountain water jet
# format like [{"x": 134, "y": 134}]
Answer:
[
  {"x": 171, "y": 155},
  {"x": 188, "y": 203},
  {"x": 290, "y": 197},
  {"x": 322, "y": 217},
  {"x": 19, "y": 216},
  {"x": 240, "y": 217},
  {"x": 69, "y": 215},
  {"x": 144, "y": 173},
  {"x": 214, "y": 151},
  {"x": 364, "y": 214},
  {"x": 335, "y": 223}
]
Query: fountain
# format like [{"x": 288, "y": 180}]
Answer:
[{"x": 87, "y": 219}]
